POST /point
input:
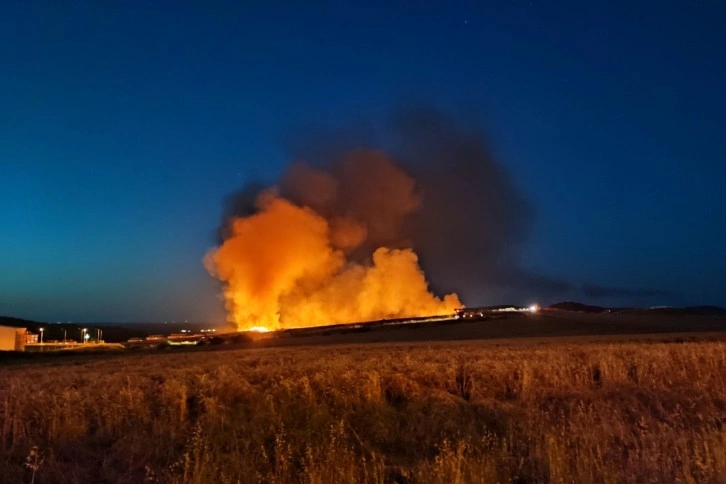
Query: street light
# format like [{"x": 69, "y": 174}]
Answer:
[
  {"x": 41, "y": 335},
  {"x": 83, "y": 335}
]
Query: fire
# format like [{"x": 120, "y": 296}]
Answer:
[
  {"x": 309, "y": 263},
  {"x": 259, "y": 329}
]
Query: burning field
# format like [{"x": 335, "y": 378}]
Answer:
[{"x": 325, "y": 247}]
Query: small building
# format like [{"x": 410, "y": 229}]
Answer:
[{"x": 13, "y": 339}]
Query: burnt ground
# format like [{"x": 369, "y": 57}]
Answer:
[{"x": 508, "y": 326}]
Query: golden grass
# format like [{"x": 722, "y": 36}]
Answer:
[{"x": 440, "y": 413}]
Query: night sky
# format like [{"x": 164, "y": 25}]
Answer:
[{"x": 124, "y": 124}]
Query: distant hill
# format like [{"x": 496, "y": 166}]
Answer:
[
  {"x": 707, "y": 310},
  {"x": 17, "y": 322},
  {"x": 687, "y": 311},
  {"x": 575, "y": 306},
  {"x": 666, "y": 310}
]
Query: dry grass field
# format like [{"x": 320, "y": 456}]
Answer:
[{"x": 447, "y": 412}]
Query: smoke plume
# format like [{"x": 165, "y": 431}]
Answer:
[
  {"x": 324, "y": 247},
  {"x": 348, "y": 231},
  {"x": 472, "y": 221}
]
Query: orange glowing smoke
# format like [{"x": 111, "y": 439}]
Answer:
[{"x": 291, "y": 264}]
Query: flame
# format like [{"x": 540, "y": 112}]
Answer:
[
  {"x": 259, "y": 329},
  {"x": 290, "y": 265}
]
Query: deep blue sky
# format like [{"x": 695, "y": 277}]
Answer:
[{"x": 123, "y": 125}]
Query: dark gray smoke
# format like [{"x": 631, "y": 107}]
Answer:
[
  {"x": 240, "y": 203},
  {"x": 464, "y": 216},
  {"x": 470, "y": 230}
]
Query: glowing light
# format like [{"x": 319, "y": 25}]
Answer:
[
  {"x": 259, "y": 329},
  {"x": 533, "y": 308}
]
